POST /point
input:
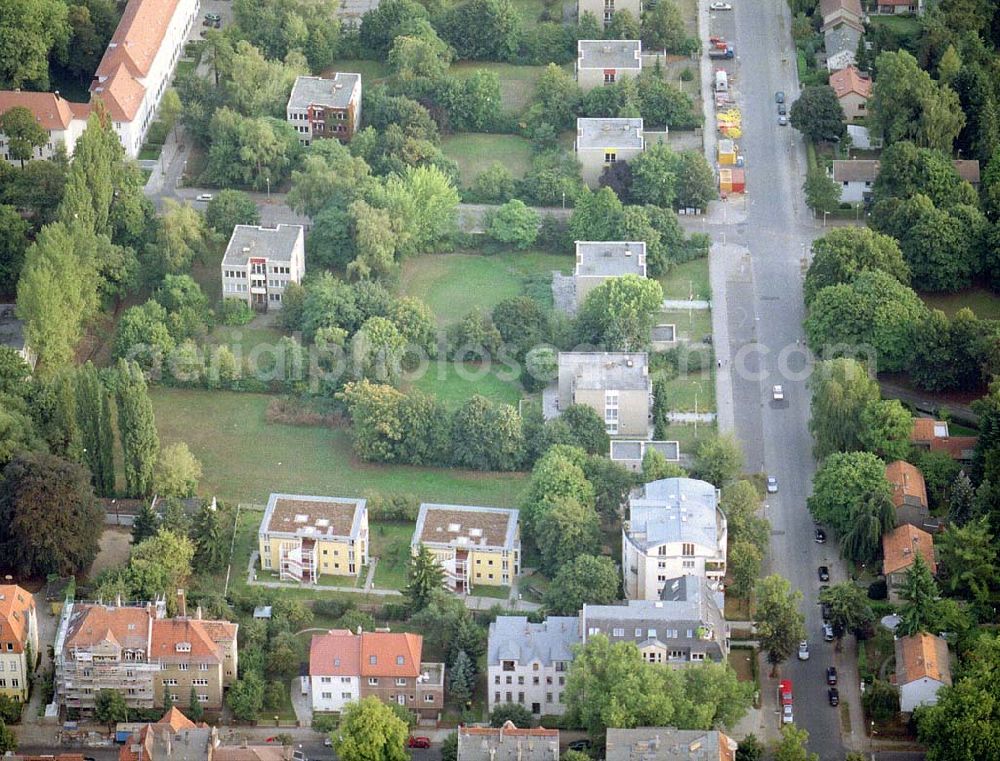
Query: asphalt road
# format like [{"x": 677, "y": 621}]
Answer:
[{"x": 763, "y": 297}]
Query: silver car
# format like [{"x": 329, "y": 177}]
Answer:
[{"x": 803, "y": 651}]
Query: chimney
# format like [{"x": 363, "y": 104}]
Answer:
[
  {"x": 181, "y": 604},
  {"x": 56, "y": 93},
  {"x": 197, "y": 613}
]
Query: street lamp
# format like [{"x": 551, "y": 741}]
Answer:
[
  {"x": 825, "y": 213},
  {"x": 268, "y": 181}
]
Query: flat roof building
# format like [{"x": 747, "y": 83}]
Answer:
[
  {"x": 474, "y": 545},
  {"x": 604, "y": 62},
  {"x": 599, "y": 261},
  {"x": 323, "y": 108},
  {"x": 304, "y": 537},
  {"x": 616, "y": 385},
  {"x": 669, "y": 744},
  {"x": 601, "y": 142},
  {"x": 260, "y": 262}
]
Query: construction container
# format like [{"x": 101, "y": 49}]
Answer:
[
  {"x": 727, "y": 152},
  {"x": 732, "y": 181}
]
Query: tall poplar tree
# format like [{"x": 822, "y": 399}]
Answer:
[
  {"x": 93, "y": 413},
  {"x": 137, "y": 429}
]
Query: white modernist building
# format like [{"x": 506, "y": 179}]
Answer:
[
  {"x": 260, "y": 262},
  {"x": 674, "y": 528}
]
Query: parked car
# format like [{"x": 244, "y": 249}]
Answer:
[
  {"x": 833, "y": 694},
  {"x": 419, "y": 742},
  {"x": 824, "y": 573},
  {"x": 580, "y": 745},
  {"x": 825, "y": 611},
  {"x": 204, "y": 197},
  {"x": 772, "y": 485},
  {"x": 327, "y": 742},
  {"x": 213, "y": 17},
  {"x": 781, "y": 109},
  {"x": 777, "y": 393},
  {"x": 785, "y": 692},
  {"x": 831, "y": 675},
  {"x": 786, "y": 715},
  {"x": 803, "y": 650},
  {"x": 721, "y": 6},
  {"x": 827, "y": 633},
  {"x": 820, "y": 536},
  {"x": 779, "y": 97},
  {"x": 782, "y": 121}
]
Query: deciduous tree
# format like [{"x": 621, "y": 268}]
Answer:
[
  {"x": 137, "y": 428},
  {"x": 842, "y": 254},
  {"x": 230, "y": 208},
  {"x": 177, "y": 471},
  {"x": 514, "y": 223},
  {"x": 24, "y": 134},
  {"x": 780, "y": 625},
  {"x": 817, "y": 114},
  {"x": 841, "y": 389},
  {"x": 585, "y": 579},
  {"x": 565, "y": 530},
  {"x": 51, "y": 522},
  {"x": 619, "y": 313},
  {"x": 370, "y": 731}
]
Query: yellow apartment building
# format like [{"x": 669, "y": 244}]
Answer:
[
  {"x": 302, "y": 537},
  {"x": 474, "y": 545}
]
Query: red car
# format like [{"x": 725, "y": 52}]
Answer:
[
  {"x": 785, "y": 692},
  {"x": 419, "y": 742}
]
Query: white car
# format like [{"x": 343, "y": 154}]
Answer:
[
  {"x": 786, "y": 715},
  {"x": 204, "y": 197},
  {"x": 772, "y": 485},
  {"x": 721, "y": 6},
  {"x": 777, "y": 393},
  {"x": 803, "y": 651}
]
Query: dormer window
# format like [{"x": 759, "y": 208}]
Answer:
[
  {"x": 336, "y": 662},
  {"x": 183, "y": 647},
  {"x": 399, "y": 660},
  {"x": 131, "y": 627},
  {"x": 373, "y": 660}
]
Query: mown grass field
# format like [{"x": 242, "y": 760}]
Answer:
[
  {"x": 517, "y": 83},
  {"x": 982, "y": 301},
  {"x": 475, "y": 153},
  {"x": 692, "y": 324},
  {"x": 245, "y": 458},
  {"x": 390, "y": 543},
  {"x": 688, "y": 438},
  {"x": 370, "y": 71},
  {"x": 689, "y": 279},
  {"x": 455, "y": 382},
  {"x": 452, "y": 285},
  {"x": 685, "y": 390}
]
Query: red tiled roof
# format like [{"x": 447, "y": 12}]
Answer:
[
  {"x": 51, "y": 111},
  {"x": 393, "y": 654},
  {"x": 508, "y": 730},
  {"x": 907, "y": 481},
  {"x": 168, "y": 633},
  {"x": 958, "y": 447},
  {"x": 848, "y": 81},
  {"x": 91, "y": 624},
  {"x": 16, "y": 604},
  {"x": 122, "y": 94},
  {"x": 173, "y": 718},
  {"x": 138, "y": 36},
  {"x": 900, "y": 545},
  {"x": 336, "y": 653},
  {"x": 922, "y": 655}
]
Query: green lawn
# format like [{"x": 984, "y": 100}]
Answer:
[
  {"x": 370, "y": 71},
  {"x": 687, "y": 280},
  {"x": 983, "y": 302},
  {"x": 150, "y": 152},
  {"x": 390, "y": 543},
  {"x": 245, "y": 458},
  {"x": 452, "y": 285},
  {"x": 475, "y": 153},
  {"x": 517, "y": 83},
  {"x": 484, "y": 590},
  {"x": 904, "y": 26},
  {"x": 455, "y": 382},
  {"x": 531, "y": 11},
  {"x": 684, "y": 390},
  {"x": 692, "y": 324},
  {"x": 687, "y": 437},
  {"x": 254, "y": 342}
]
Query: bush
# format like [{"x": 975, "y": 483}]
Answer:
[
  {"x": 397, "y": 508},
  {"x": 325, "y": 723},
  {"x": 878, "y": 590},
  {"x": 236, "y": 312},
  {"x": 687, "y": 75},
  {"x": 331, "y": 608}
]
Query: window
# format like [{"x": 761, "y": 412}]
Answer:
[
  {"x": 697, "y": 656},
  {"x": 609, "y": 76},
  {"x": 428, "y": 698},
  {"x": 688, "y": 563},
  {"x": 399, "y": 660},
  {"x": 170, "y": 682},
  {"x": 202, "y": 698},
  {"x": 520, "y": 680},
  {"x": 373, "y": 660},
  {"x": 509, "y": 680},
  {"x": 548, "y": 697},
  {"x": 327, "y": 696},
  {"x": 687, "y": 550},
  {"x": 520, "y": 697},
  {"x": 496, "y": 697},
  {"x": 618, "y": 632},
  {"x": 199, "y": 682},
  {"x": 401, "y": 682},
  {"x": 662, "y": 551},
  {"x": 534, "y": 680},
  {"x": 496, "y": 679},
  {"x": 562, "y": 681},
  {"x": 373, "y": 681},
  {"x": 610, "y": 157},
  {"x": 345, "y": 680},
  {"x": 202, "y": 667},
  {"x": 346, "y": 695},
  {"x": 183, "y": 666},
  {"x": 638, "y": 631}
]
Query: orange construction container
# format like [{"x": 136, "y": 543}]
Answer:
[{"x": 732, "y": 181}]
